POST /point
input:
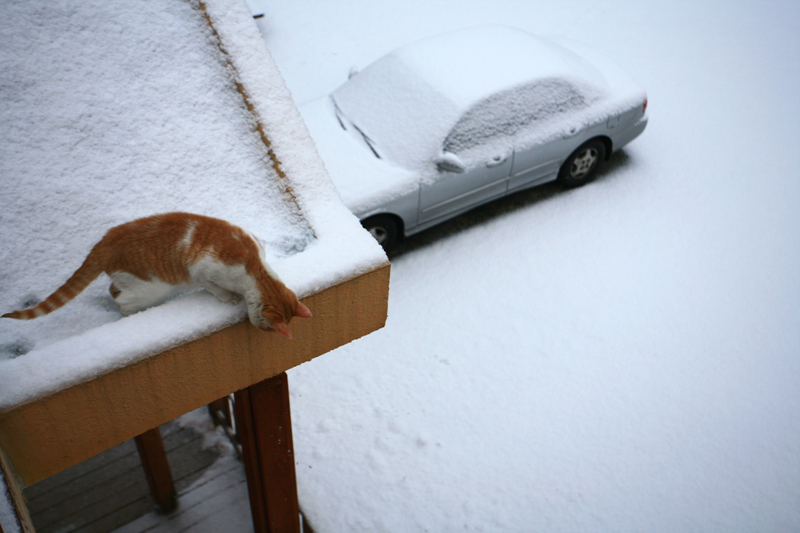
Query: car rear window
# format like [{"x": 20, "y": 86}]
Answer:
[{"x": 512, "y": 112}]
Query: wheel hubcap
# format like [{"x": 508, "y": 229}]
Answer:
[
  {"x": 379, "y": 233},
  {"x": 584, "y": 163}
]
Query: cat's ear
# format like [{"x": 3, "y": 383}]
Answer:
[
  {"x": 302, "y": 311},
  {"x": 283, "y": 329}
]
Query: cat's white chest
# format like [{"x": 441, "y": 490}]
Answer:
[{"x": 227, "y": 283}]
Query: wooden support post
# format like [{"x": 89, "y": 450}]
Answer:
[
  {"x": 156, "y": 468},
  {"x": 20, "y": 519},
  {"x": 264, "y": 426},
  {"x": 220, "y": 412}
]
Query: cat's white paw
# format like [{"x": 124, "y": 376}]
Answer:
[
  {"x": 234, "y": 299},
  {"x": 223, "y": 295},
  {"x": 227, "y": 297}
]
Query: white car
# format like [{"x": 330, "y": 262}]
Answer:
[{"x": 443, "y": 125}]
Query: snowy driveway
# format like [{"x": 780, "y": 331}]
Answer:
[{"x": 621, "y": 357}]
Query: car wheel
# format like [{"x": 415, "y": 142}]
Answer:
[
  {"x": 385, "y": 229},
  {"x": 580, "y": 167}
]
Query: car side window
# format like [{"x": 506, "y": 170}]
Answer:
[{"x": 508, "y": 113}]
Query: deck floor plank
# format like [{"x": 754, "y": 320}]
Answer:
[
  {"x": 216, "y": 502},
  {"x": 110, "y": 489}
]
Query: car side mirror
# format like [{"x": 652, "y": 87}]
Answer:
[{"x": 448, "y": 162}]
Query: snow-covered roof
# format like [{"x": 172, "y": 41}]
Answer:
[
  {"x": 468, "y": 65},
  {"x": 112, "y": 112}
]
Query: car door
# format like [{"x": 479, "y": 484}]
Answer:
[
  {"x": 538, "y": 164},
  {"x": 548, "y": 103},
  {"x": 454, "y": 191}
]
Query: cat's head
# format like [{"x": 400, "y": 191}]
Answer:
[{"x": 277, "y": 317}]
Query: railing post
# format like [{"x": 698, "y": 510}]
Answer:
[
  {"x": 10, "y": 489},
  {"x": 264, "y": 426},
  {"x": 156, "y": 469}
]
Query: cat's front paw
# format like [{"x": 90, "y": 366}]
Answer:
[
  {"x": 234, "y": 299},
  {"x": 223, "y": 295},
  {"x": 228, "y": 297}
]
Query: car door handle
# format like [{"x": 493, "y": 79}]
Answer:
[{"x": 496, "y": 161}]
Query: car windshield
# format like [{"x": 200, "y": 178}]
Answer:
[{"x": 402, "y": 117}]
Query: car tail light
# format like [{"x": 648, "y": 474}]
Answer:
[{"x": 644, "y": 107}]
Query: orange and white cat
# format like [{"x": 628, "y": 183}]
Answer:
[{"x": 150, "y": 258}]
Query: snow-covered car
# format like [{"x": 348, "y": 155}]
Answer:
[{"x": 443, "y": 125}]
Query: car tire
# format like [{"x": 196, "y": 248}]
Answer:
[
  {"x": 385, "y": 229},
  {"x": 581, "y": 166}
]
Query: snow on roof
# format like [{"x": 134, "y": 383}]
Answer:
[
  {"x": 112, "y": 112},
  {"x": 508, "y": 57}
]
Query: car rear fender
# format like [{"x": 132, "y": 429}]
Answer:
[
  {"x": 405, "y": 209},
  {"x": 401, "y": 225},
  {"x": 609, "y": 146}
]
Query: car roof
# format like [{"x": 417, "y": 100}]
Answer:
[
  {"x": 468, "y": 65},
  {"x": 408, "y": 101}
]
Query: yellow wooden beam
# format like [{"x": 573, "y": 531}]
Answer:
[{"x": 50, "y": 434}]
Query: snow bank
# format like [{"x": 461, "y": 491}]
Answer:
[{"x": 112, "y": 112}]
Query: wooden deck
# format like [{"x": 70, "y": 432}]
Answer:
[{"x": 109, "y": 491}]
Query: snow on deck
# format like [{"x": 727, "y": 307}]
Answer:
[{"x": 112, "y": 112}]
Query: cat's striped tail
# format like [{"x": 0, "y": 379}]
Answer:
[{"x": 87, "y": 273}]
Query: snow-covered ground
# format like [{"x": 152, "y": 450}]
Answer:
[{"x": 621, "y": 357}]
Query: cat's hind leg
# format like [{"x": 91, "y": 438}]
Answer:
[
  {"x": 223, "y": 295},
  {"x": 133, "y": 294}
]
